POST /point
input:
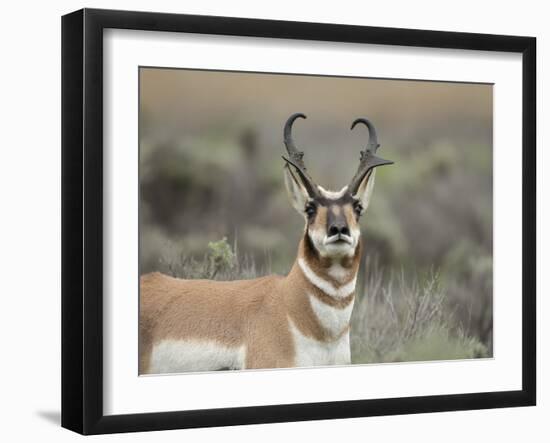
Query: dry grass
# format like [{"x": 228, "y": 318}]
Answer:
[{"x": 407, "y": 319}]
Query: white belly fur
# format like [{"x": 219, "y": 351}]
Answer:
[{"x": 172, "y": 356}]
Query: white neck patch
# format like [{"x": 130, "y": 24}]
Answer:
[
  {"x": 325, "y": 286},
  {"x": 338, "y": 272}
]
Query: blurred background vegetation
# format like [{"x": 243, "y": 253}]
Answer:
[{"x": 213, "y": 205}]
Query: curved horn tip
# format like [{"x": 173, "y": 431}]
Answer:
[
  {"x": 295, "y": 116},
  {"x": 288, "y": 126},
  {"x": 361, "y": 120},
  {"x": 287, "y": 133}
]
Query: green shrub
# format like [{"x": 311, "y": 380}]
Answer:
[{"x": 220, "y": 256}]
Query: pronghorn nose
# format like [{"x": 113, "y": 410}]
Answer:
[{"x": 338, "y": 228}]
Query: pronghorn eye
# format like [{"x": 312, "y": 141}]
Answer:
[
  {"x": 358, "y": 208},
  {"x": 311, "y": 209}
]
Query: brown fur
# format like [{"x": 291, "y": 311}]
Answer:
[{"x": 231, "y": 313}]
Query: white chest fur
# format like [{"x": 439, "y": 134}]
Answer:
[{"x": 312, "y": 352}]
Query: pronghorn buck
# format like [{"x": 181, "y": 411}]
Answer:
[{"x": 302, "y": 319}]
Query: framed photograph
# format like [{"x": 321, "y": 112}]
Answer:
[{"x": 227, "y": 256}]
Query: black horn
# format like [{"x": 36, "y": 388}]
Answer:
[
  {"x": 296, "y": 157},
  {"x": 368, "y": 160}
]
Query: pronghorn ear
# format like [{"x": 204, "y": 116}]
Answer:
[
  {"x": 364, "y": 192},
  {"x": 296, "y": 190}
]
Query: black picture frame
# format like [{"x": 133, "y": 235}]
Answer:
[{"x": 82, "y": 220}]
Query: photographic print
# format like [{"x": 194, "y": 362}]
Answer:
[
  {"x": 290, "y": 221},
  {"x": 266, "y": 242}
]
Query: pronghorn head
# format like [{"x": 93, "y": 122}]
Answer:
[{"x": 332, "y": 218}]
